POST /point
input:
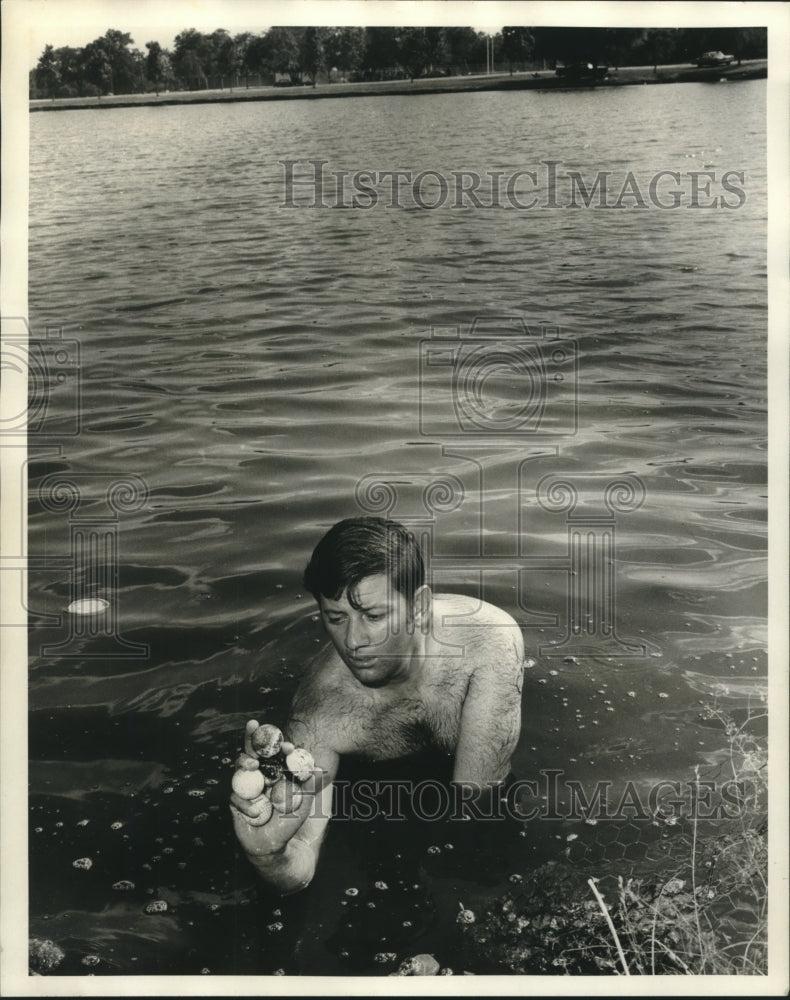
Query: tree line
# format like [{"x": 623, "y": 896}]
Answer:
[{"x": 306, "y": 55}]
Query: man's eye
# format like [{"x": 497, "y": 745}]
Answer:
[
  {"x": 374, "y": 618},
  {"x": 334, "y": 621}
]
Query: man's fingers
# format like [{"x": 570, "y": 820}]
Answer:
[
  {"x": 317, "y": 781},
  {"x": 249, "y": 729},
  {"x": 256, "y": 812}
]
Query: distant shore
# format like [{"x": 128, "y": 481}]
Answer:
[{"x": 752, "y": 69}]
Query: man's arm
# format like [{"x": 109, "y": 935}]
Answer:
[
  {"x": 491, "y": 713},
  {"x": 284, "y": 850}
]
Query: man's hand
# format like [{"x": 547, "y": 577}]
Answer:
[{"x": 270, "y": 825}]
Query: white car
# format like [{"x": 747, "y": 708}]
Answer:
[{"x": 713, "y": 59}]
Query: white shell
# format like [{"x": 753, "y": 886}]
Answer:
[
  {"x": 263, "y": 810},
  {"x": 248, "y": 784},
  {"x": 285, "y": 796},
  {"x": 300, "y": 763}
]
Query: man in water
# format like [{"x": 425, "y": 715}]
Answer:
[{"x": 405, "y": 670}]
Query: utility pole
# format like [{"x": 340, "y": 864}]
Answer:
[{"x": 489, "y": 55}]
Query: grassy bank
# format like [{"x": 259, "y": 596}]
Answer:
[
  {"x": 544, "y": 80},
  {"x": 691, "y": 901}
]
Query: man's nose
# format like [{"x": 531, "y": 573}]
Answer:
[{"x": 356, "y": 635}]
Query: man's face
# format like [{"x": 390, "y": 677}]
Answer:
[{"x": 375, "y": 638}]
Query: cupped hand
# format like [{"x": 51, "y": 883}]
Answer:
[{"x": 268, "y": 812}]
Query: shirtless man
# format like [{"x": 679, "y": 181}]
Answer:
[{"x": 405, "y": 670}]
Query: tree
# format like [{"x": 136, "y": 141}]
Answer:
[
  {"x": 344, "y": 50},
  {"x": 283, "y": 45},
  {"x": 157, "y": 66},
  {"x": 414, "y": 51},
  {"x": 70, "y": 66},
  {"x": 242, "y": 43},
  {"x": 97, "y": 69},
  {"x": 225, "y": 61},
  {"x": 743, "y": 43},
  {"x": 191, "y": 58},
  {"x": 381, "y": 54},
  {"x": 47, "y": 73},
  {"x": 517, "y": 45},
  {"x": 571, "y": 45},
  {"x": 661, "y": 43},
  {"x": 435, "y": 47},
  {"x": 109, "y": 64},
  {"x": 257, "y": 55},
  {"x": 311, "y": 53},
  {"x": 464, "y": 48}
]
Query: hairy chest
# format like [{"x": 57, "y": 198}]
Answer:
[{"x": 402, "y": 726}]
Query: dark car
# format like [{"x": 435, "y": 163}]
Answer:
[
  {"x": 716, "y": 58},
  {"x": 582, "y": 72}
]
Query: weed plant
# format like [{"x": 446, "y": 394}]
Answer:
[{"x": 701, "y": 909}]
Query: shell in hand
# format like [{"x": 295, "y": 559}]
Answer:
[
  {"x": 247, "y": 784},
  {"x": 300, "y": 763},
  {"x": 285, "y": 796},
  {"x": 262, "y": 810},
  {"x": 267, "y": 740}
]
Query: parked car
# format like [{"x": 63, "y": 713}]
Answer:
[
  {"x": 582, "y": 72},
  {"x": 717, "y": 58}
]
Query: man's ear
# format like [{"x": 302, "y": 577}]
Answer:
[{"x": 422, "y": 607}]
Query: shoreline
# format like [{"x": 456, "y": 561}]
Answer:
[{"x": 753, "y": 69}]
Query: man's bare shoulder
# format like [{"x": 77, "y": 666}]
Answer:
[
  {"x": 476, "y": 623},
  {"x": 326, "y": 678}
]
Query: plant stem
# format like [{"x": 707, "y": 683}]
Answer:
[
  {"x": 605, "y": 912},
  {"x": 694, "y": 878}
]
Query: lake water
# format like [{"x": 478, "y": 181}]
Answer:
[{"x": 255, "y": 372}]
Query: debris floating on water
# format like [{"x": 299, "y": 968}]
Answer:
[
  {"x": 44, "y": 955},
  {"x": 419, "y": 965},
  {"x": 156, "y": 906},
  {"x": 84, "y": 864},
  {"x": 88, "y": 606}
]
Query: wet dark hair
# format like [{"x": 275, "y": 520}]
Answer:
[{"x": 363, "y": 546}]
